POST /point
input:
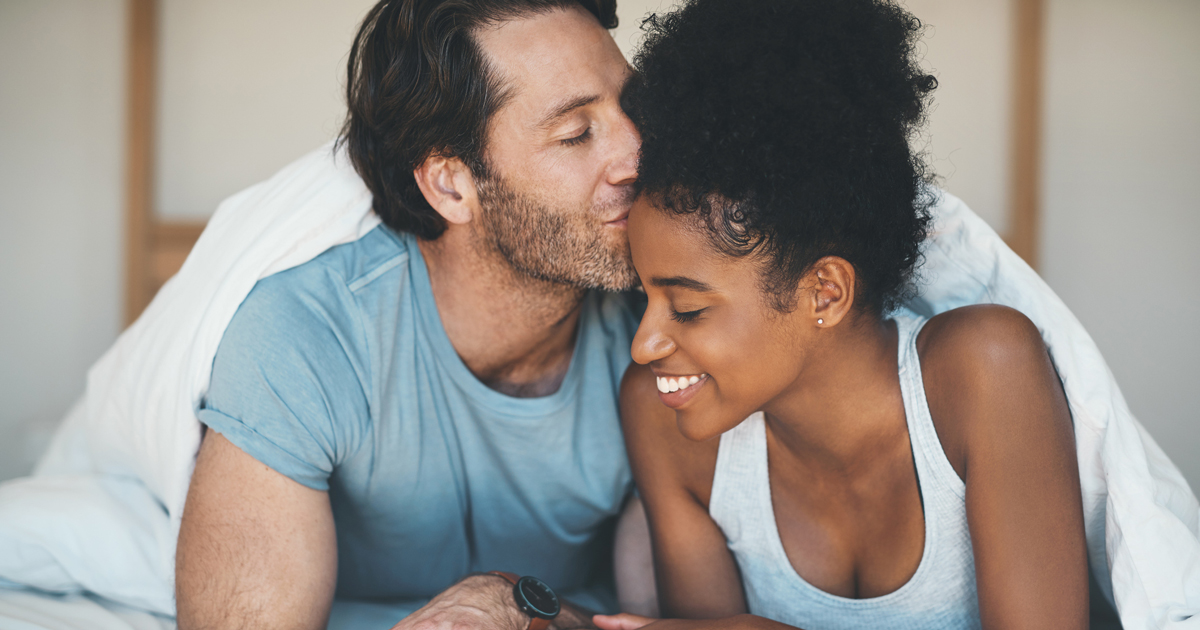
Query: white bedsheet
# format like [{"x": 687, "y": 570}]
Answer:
[
  {"x": 136, "y": 428},
  {"x": 29, "y": 610},
  {"x": 25, "y": 609}
]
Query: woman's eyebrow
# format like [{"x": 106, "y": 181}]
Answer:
[{"x": 681, "y": 281}]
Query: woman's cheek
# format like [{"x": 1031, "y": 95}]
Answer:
[
  {"x": 755, "y": 365},
  {"x": 735, "y": 379}
]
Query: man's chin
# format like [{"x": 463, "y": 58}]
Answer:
[
  {"x": 609, "y": 266},
  {"x": 616, "y": 287},
  {"x": 614, "y": 273},
  {"x": 614, "y": 280},
  {"x": 603, "y": 273}
]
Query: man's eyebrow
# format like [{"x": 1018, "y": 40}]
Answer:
[
  {"x": 681, "y": 281},
  {"x": 566, "y": 108}
]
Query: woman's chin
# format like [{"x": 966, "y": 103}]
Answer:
[{"x": 700, "y": 426}]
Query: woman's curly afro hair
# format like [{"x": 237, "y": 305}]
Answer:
[{"x": 785, "y": 125}]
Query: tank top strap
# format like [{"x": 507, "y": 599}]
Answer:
[
  {"x": 740, "y": 480},
  {"x": 933, "y": 468}
]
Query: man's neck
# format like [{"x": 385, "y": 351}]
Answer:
[{"x": 515, "y": 333}]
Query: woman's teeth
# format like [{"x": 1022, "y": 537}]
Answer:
[{"x": 667, "y": 385}]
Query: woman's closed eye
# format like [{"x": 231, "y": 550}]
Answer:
[{"x": 684, "y": 317}]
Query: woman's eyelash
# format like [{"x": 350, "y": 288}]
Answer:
[
  {"x": 687, "y": 316},
  {"x": 580, "y": 139}
]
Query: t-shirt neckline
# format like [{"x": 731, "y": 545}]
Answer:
[{"x": 448, "y": 357}]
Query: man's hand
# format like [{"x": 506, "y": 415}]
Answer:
[
  {"x": 479, "y": 602},
  {"x": 485, "y": 602}
]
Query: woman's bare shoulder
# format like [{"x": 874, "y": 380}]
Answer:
[
  {"x": 982, "y": 337},
  {"x": 987, "y": 371}
]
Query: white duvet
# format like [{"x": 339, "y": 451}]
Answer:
[
  {"x": 101, "y": 512},
  {"x": 27, "y": 610}
]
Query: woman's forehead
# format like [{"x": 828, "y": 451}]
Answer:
[{"x": 664, "y": 239}]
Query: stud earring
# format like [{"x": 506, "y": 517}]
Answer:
[{"x": 820, "y": 321}]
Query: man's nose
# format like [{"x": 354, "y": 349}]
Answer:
[
  {"x": 650, "y": 344},
  {"x": 626, "y": 142}
]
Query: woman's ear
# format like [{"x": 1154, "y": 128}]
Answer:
[
  {"x": 831, "y": 294},
  {"x": 449, "y": 187}
]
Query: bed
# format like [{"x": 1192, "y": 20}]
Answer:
[{"x": 31, "y": 610}]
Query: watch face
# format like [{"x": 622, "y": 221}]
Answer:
[{"x": 541, "y": 600}]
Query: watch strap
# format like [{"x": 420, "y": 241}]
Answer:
[
  {"x": 513, "y": 578},
  {"x": 535, "y": 623}
]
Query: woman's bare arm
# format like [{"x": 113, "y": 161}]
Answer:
[
  {"x": 696, "y": 574},
  {"x": 1003, "y": 419},
  {"x": 633, "y": 562}
]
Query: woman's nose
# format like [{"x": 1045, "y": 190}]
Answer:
[{"x": 650, "y": 344}]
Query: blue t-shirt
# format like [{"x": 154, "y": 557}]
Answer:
[{"x": 338, "y": 374}]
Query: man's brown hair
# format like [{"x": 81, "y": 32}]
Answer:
[{"x": 419, "y": 86}]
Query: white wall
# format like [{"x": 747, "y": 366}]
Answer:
[
  {"x": 968, "y": 47},
  {"x": 246, "y": 87},
  {"x": 1121, "y": 228},
  {"x": 630, "y": 14},
  {"x": 61, "y": 125}
]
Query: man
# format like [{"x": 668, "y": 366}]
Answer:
[{"x": 439, "y": 397}]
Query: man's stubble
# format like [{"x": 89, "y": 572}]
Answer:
[{"x": 570, "y": 247}]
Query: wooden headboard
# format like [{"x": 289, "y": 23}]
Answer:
[{"x": 156, "y": 248}]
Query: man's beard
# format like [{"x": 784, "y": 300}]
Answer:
[{"x": 566, "y": 247}]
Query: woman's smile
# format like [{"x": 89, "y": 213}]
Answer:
[{"x": 676, "y": 391}]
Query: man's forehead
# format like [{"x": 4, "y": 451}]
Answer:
[{"x": 562, "y": 53}]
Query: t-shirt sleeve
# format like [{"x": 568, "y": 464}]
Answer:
[{"x": 288, "y": 385}]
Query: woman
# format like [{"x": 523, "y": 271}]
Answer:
[{"x": 807, "y": 454}]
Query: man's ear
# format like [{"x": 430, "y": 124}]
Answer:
[
  {"x": 449, "y": 187},
  {"x": 831, "y": 291}
]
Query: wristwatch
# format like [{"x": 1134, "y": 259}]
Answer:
[{"x": 534, "y": 598}]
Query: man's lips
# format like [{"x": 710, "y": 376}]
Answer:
[
  {"x": 676, "y": 390},
  {"x": 620, "y": 221}
]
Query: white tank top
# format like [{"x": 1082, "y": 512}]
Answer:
[{"x": 941, "y": 594}]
